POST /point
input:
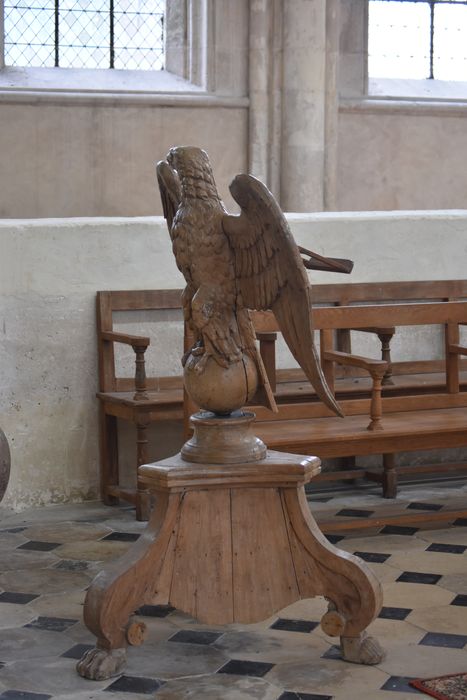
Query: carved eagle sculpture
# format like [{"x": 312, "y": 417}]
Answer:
[{"x": 232, "y": 263}]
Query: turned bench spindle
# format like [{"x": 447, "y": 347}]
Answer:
[{"x": 141, "y": 393}]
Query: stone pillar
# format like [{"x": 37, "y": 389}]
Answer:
[
  {"x": 331, "y": 105},
  {"x": 353, "y": 48},
  {"x": 303, "y": 106},
  {"x": 265, "y": 92}
]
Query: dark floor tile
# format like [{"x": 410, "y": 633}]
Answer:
[
  {"x": 424, "y": 506},
  {"x": 37, "y": 546},
  {"x": 333, "y": 652},
  {"x": 373, "y": 557},
  {"x": 399, "y": 684},
  {"x": 134, "y": 684},
  {"x": 23, "y": 695},
  {"x": 441, "y": 639},
  {"x": 17, "y": 598},
  {"x": 52, "y": 624},
  {"x": 14, "y": 530},
  {"x": 416, "y": 577},
  {"x": 294, "y": 625},
  {"x": 122, "y": 536},
  {"x": 319, "y": 499},
  {"x": 448, "y": 548},
  {"x": 238, "y": 667},
  {"x": 355, "y": 513},
  {"x": 290, "y": 695},
  {"x": 72, "y": 565},
  {"x": 334, "y": 539},
  {"x": 394, "y": 613},
  {"x": 155, "y": 610},
  {"x": 398, "y": 530},
  {"x": 195, "y": 637},
  {"x": 460, "y": 599},
  {"x": 460, "y": 522},
  {"x": 77, "y": 651}
]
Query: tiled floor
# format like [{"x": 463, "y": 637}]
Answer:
[{"x": 48, "y": 557}]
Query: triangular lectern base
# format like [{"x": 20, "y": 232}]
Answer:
[{"x": 225, "y": 543}]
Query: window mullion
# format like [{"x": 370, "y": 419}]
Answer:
[
  {"x": 432, "y": 36},
  {"x": 56, "y": 33},
  {"x": 112, "y": 35}
]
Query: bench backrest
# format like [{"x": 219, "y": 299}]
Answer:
[
  {"x": 129, "y": 300},
  {"x": 342, "y": 310}
]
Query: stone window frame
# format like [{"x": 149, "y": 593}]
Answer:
[
  {"x": 354, "y": 82},
  {"x": 199, "y": 35}
]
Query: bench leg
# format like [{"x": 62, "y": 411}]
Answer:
[
  {"x": 109, "y": 455},
  {"x": 389, "y": 476},
  {"x": 142, "y": 494}
]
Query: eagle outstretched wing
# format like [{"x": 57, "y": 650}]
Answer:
[{"x": 271, "y": 274}]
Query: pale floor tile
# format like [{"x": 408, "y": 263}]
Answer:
[
  {"x": 67, "y": 532},
  {"x": 451, "y": 619},
  {"x": 51, "y": 674},
  {"x": 457, "y": 583},
  {"x": 223, "y": 686},
  {"x": 327, "y": 676},
  {"x": 429, "y": 562},
  {"x": 421, "y": 661},
  {"x": 415, "y": 595}
]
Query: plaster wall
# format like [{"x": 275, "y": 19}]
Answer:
[{"x": 49, "y": 273}]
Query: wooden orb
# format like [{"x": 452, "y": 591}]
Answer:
[{"x": 220, "y": 389}]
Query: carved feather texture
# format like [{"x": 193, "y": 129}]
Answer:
[
  {"x": 271, "y": 275},
  {"x": 235, "y": 263}
]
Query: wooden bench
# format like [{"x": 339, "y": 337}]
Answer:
[
  {"x": 422, "y": 410},
  {"x": 143, "y": 400}
]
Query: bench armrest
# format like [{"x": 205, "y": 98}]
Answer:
[
  {"x": 139, "y": 345},
  {"x": 376, "y": 368},
  {"x": 346, "y": 358},
  {"x": 133, "y": 340},
  {"x": 457, "y": 349},
  {"x": 385, "y": 335}
]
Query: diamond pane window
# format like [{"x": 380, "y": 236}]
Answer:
[
  {"x": 124, "y": 34},
  {"x": 417, "y": 39}
]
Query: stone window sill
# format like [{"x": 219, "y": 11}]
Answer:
[
  {"x": 438, "y": 90},
  {"x": 118, "y": 87}
]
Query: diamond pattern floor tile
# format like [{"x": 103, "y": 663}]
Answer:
[
  {"x": 460, "y": 599},
  {"x": 17, "y": 598},
  {"x": 36, "y": 546},
  {"x": 394, "y": 613},
  {"x": 290, "y": 625},
  {"x": 195, "y": 637},
  {"x": 439, "y": 639},
  {"x": 246, "y": 668},
  {"x": 130, "y": 684},
  {"x": 52, "y": 554}
]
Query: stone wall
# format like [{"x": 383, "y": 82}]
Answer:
[
  {"x": 277, "y": 89},
  {"x": 49, "y": 273}
]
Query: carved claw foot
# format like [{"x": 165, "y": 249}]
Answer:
[
  {"x": 100, "y": 664},
  {"x": 362, "y": 650}
]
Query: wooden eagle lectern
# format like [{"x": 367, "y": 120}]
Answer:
[{"x": 231, "y": 537}]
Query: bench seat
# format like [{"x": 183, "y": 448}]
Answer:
[{"x": 336, "y": 437}]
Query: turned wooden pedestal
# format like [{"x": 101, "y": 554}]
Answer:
[{"x": 229, "y": 543}]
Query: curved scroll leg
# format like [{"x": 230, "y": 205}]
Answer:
[
  {"x": 353, "y": 590},
  {"x": 122, "y": 587}
]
